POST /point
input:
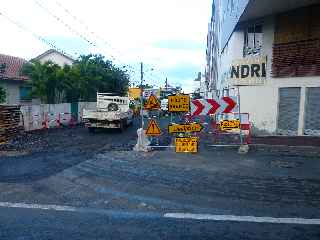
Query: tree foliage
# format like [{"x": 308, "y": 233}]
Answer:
[
  {"x": 2, "y": 95},
  {"x": 80, "y": 82}
]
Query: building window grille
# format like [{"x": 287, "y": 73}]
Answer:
[{"x": 253, "y": 40}]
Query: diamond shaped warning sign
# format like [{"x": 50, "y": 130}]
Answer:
[
  {"x": 152, "y": 103},
  {"x": 153, "y": 129}
]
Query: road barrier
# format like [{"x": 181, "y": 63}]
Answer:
[
  {"x": 45, "y": 116},
  {"x": 243, "y": 130}
]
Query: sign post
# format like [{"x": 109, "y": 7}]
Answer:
[{"x": 240, "y": 132}]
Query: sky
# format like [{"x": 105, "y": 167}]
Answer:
[{"x": 168, "y": 36}]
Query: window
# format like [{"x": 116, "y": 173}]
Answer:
[
  {"x": 25, "y": 93},
  {"x": 253, "y": 39},
  {"x": 3, "y": 67}
]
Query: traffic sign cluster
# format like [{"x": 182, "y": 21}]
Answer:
[{"x": 198, "y": 107}]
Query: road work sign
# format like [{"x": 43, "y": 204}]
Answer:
[
  {"x": 183, "y": 128},
  {"x": 179, "y": 103},
  {"x": 153, "y": 129},
  {"x": 152, "y": 103},
  {"x": 229, "y": 124},
  {"x": 187, "y": 145}
]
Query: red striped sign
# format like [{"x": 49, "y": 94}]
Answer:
[{"x": 212, "y": 106}]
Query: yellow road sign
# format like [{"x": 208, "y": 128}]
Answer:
[
  {"x": 187, "y": 145},
  {"x": 183, "y": 128},
  {"x": 153, "y": 129},
  {"x": 229, "y": 124},
  {"x": 179, "y": 103},
  {"x": 152, "y": 103}
]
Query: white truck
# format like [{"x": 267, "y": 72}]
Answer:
[{"x": 111, "y": 112}]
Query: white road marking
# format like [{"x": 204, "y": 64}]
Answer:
[
  {"x": 191, "y": 216},
  {"x": 109, "y": 212},
  {"x": 38, "y": 206},
  {"x": 234, "y": 218}
]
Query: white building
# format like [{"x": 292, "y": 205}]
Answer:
[
  {"x": 200, "y": 86},
  {"x": 56, "y": 57},
  {"x": 270, "y": 49}
]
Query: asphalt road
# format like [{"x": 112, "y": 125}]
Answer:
[
  {"x": 70, "y": 184},
  {"x": 43, "y": 224}
]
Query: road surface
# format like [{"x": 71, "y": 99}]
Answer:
[{"x": 70, "y": 184}]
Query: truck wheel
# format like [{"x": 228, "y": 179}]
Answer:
[
  {"x": 92, "y": 129},
  {"x": 123, "y": 125}
]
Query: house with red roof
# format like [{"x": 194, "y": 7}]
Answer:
[{"x": 14, "y": 83}]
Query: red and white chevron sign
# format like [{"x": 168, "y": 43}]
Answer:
[{"x": 212, "y": 106}]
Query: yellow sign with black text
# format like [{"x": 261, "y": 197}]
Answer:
[
  {"x": 187, "y": 145},
  {"x": 152, "y": 103},
  {"x": 153, "y": 129},
  {"x": 179, "y": 103},
  {"x": 184, "y": 128},
  {"x": 229, "y": 124}
]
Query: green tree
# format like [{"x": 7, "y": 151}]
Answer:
[
  {"x": 91, "y": 74},
  {"x": 46, "y": 80},
  {"x": 2, "y": 95},
  {"x": 80, "y": 82}
]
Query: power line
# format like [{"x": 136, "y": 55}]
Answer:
[
  {"x": 86, "y": 39},
  {"x": 63, "y": 23},
  {"x": 88, "y": 29},
  {"x": 40, "y": 38},
  {"x": 52, "y": 45}
]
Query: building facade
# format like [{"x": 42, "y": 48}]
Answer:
[
  {"x": 268, "y": 51},
  {"x": 56, "y": 57},
  {"x": 13, "y": 82},
  {"x": 16, "y": 86}
]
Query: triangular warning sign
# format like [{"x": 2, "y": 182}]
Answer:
[
  {"x": 153, "y": 129},
  {"x": 152, "y": 103}
]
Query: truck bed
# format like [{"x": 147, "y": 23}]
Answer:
[{"x": 99, "y": 115}]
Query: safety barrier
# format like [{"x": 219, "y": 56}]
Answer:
[
  {"x": 244, "y": 132},
  {"x": 45, "y": 116}
]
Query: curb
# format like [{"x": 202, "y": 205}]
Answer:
[
  {"x": 284, "y": 150},
  {"x": 278, "y": 150}
]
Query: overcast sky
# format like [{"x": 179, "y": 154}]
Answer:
[{"x": 167, "y": 35}]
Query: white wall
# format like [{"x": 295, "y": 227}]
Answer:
[
  {"x": 232, "y": 51},
  {"x": 261, "y": 102},
  {"x": 12, "y": 89},
  {"x": 35, "y": 115},
  {"x": 12, "y": 92},
  {"x": 56, "y": 58}
]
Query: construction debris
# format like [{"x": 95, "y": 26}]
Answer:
[{"x": 9, "y": 122}]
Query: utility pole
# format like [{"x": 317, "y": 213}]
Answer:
[
  {"x": 166, "y": 84},
  {"x": 141, "y": 97}
]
